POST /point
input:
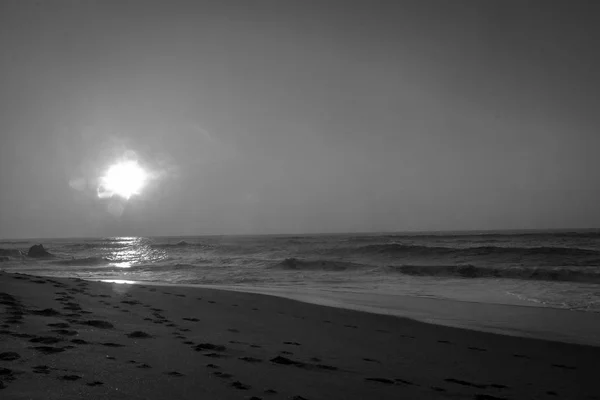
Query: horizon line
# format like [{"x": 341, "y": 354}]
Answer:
[{"x": 404, "y": 232}]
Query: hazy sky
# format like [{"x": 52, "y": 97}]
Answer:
[{"x": 300, "y": 116}]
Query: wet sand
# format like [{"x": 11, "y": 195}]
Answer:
[{"x": 72, "y": 339}]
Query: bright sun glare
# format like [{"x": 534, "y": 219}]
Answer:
[{"x": 124, "y": 179}]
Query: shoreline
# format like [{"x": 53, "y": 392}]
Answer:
[
  {"x": 520, "y": 320},
  {"x": 66, "y": 338}
]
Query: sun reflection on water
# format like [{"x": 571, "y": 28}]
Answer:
[
  {"x": 119, "y": 281},
  {"x": 126, "y": 252}
]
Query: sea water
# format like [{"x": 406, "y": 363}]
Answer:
[{"x": 558, "y": 269}]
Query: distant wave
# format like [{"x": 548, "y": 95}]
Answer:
[
  {"x": 88, "y": 261},
  {"x": 418, "y": 250},
  {"x": 528, "y": 273},
  {"x": 320, "y": 265},
  {"x": 181, "y": 244},
  {"x": 11, "y": 253},
  {"x": 96, "y": 245},
  {"x": 591, "y": 234}
]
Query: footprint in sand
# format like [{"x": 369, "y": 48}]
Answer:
[
  {"x": 95, "y": 383},
  {"x": 61, "y": 325},
  {"x": 48, "y": 349},
  {"x": 251, "y": 359},
  {"x": 210, "y": 346},
  {"x": 139, "y": 335},
  {"x": 45, "y": 340},
  {"x": 174, "y": 373},
  {"x": 69, "y": 377},
  {"x": 239, "y": 385},
  {"x": 46, "y": 312},
  {"x": 98, "y": 324},
  {"x": 214, "y": 355},
  {"x": 65, "y": 332},
  {"x": 563, "y": 366},
  {"x": 476, "y": 348},
  {"x": 371, "y": 360},
  {"x": 143, "y": 366},
  {"x": 7, "y": 374},
  {"x": 223, "y": 375},
  {"x": 381, "y": 380},
  {"x": 465, "y": 383},
  {"x": 9, "y": 356},
  {"x": 41, "y": 369}
]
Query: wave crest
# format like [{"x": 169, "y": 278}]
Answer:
[
  {"x": 527, "y": 273},
  {"x": 397, "y": 248},
  {"x": 88, "y": 261},
  {"x": 319, "y": 265}
]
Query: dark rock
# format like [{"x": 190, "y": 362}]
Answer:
[{"x": 38, "y": 251}]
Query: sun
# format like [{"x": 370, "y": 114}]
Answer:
[{"x": 124, "y": 179}]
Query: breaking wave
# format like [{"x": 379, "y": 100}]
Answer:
[
  {"x": 88, "y": 261},
  {"x": 320, "y": 265},
  {"x": 181, "y": 244},
  {"x": 395, "y": 248},
  {"x": 528, "y": 273},
  {"x": 566, "y": 274}
]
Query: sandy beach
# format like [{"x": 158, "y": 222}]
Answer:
[{"x": 72, "y": 339}]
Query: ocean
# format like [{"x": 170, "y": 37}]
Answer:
[{"x": 559, "y": 269}]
